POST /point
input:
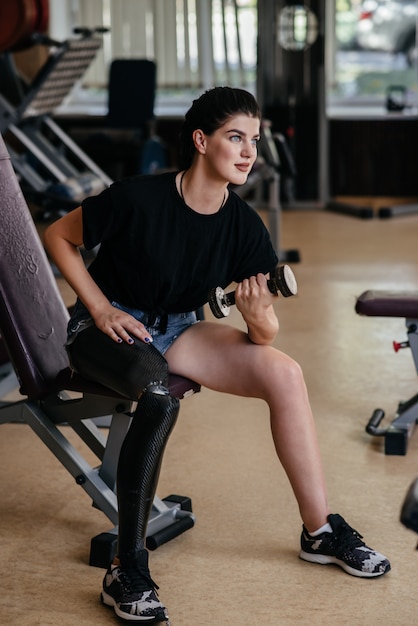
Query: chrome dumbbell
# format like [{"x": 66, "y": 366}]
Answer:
[{"x": 283, "y": 280}]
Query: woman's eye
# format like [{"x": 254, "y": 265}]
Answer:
[
  {"x": 255, "y": 141},
  {"x": 236, "y": 138}
]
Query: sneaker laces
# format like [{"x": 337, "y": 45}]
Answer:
[
  {"x": 136, "y": 575},
  {"x": 345, "y": 535},
  {"x": 138, "y": 579}
]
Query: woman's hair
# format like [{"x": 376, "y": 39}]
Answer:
[{"x": 209, "y": 112}]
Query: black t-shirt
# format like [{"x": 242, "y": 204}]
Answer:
[{"x": 157, "y": 254}]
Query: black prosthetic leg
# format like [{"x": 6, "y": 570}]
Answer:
[
  {"x": 139, "y": 465},
  {"x": 135, "y": 371}
]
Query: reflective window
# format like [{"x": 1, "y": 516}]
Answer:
[
  {"x": 195, "y": 43},
  {"x": 374, "y": 50}
]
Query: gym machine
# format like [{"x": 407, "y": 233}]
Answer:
[
  {"x": 53, "y": 171},
  {"x": 394, "y": 304}
]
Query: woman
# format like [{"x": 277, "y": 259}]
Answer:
[{"x": 165, "y": 241}]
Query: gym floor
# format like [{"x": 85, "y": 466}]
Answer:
[{"x": 239, "y": 564}]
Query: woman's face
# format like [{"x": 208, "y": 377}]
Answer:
[{"x": 231, "y": 150}]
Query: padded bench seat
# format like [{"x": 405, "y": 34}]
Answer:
[{"x": 384, "y": 303}]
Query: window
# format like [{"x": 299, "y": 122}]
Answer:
[
  {"x": 174, "y": 33},
  {"x": 372, "y": 48}
]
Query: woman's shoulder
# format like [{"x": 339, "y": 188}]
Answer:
[
  {"x": 241, "y": 206},
  {"x": 137, "y": 194}
]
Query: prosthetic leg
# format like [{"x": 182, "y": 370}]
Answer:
[
  {"x": 136, "y": 371},
  {"x": 139, "y": 465}
]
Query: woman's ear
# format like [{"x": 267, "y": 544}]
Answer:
[{"x": 199, "y": 140}]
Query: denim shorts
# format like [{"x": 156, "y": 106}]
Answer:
[{"x": 164, "y": 329}]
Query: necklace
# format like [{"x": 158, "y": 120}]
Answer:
[{"x": 182, "y": 195}]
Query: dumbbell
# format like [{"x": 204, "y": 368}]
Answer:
[{"x": 283, "y": 280}]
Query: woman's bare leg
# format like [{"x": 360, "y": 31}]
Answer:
[{"x": 223, "y": 359}]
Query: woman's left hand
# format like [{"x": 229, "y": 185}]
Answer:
[
  {"x": 254, "y": 300},
  {"x": 252, "y": 296}
]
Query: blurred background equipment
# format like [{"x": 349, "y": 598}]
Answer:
[{"x": 52, "y": 169}]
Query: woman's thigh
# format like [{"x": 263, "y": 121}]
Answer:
[{"x": 223, "y": 358}]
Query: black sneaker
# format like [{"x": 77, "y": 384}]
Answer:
[
  {"x": 343, "y": 547},
  {"x": 132, "y": 592}
]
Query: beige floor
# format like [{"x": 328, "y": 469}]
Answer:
[{"x": 239, "y": 564}]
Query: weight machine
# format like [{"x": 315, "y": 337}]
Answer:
[{"x": 54, "y": 172}]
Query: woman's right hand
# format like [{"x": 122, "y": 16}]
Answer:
[{"x": 119, "y": 325}]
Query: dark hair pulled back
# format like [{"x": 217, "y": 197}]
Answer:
[{"x": 209, "y": 112}]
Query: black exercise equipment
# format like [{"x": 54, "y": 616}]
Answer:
[
  {"x": 409, "y": 510},
  {"x": 126, "y": 144},
  {"x": 404, "y": 304},
  {"x": 33, "y": 322},
  {"x": 283, "y": 280},
  {"x": 131, "y": 93}
]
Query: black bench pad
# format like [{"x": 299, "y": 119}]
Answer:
[{"x": 388, "y": 303}]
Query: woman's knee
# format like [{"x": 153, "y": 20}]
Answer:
[{"x": 282, "y": 372}]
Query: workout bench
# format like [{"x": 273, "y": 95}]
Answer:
[
  {"x": 33, "y": 321},
  {"x": 395, "y": 304}
]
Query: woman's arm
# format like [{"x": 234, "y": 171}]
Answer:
[
  {"x": 62, "y": 240},
  {"x": 255, "y": 302}
]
